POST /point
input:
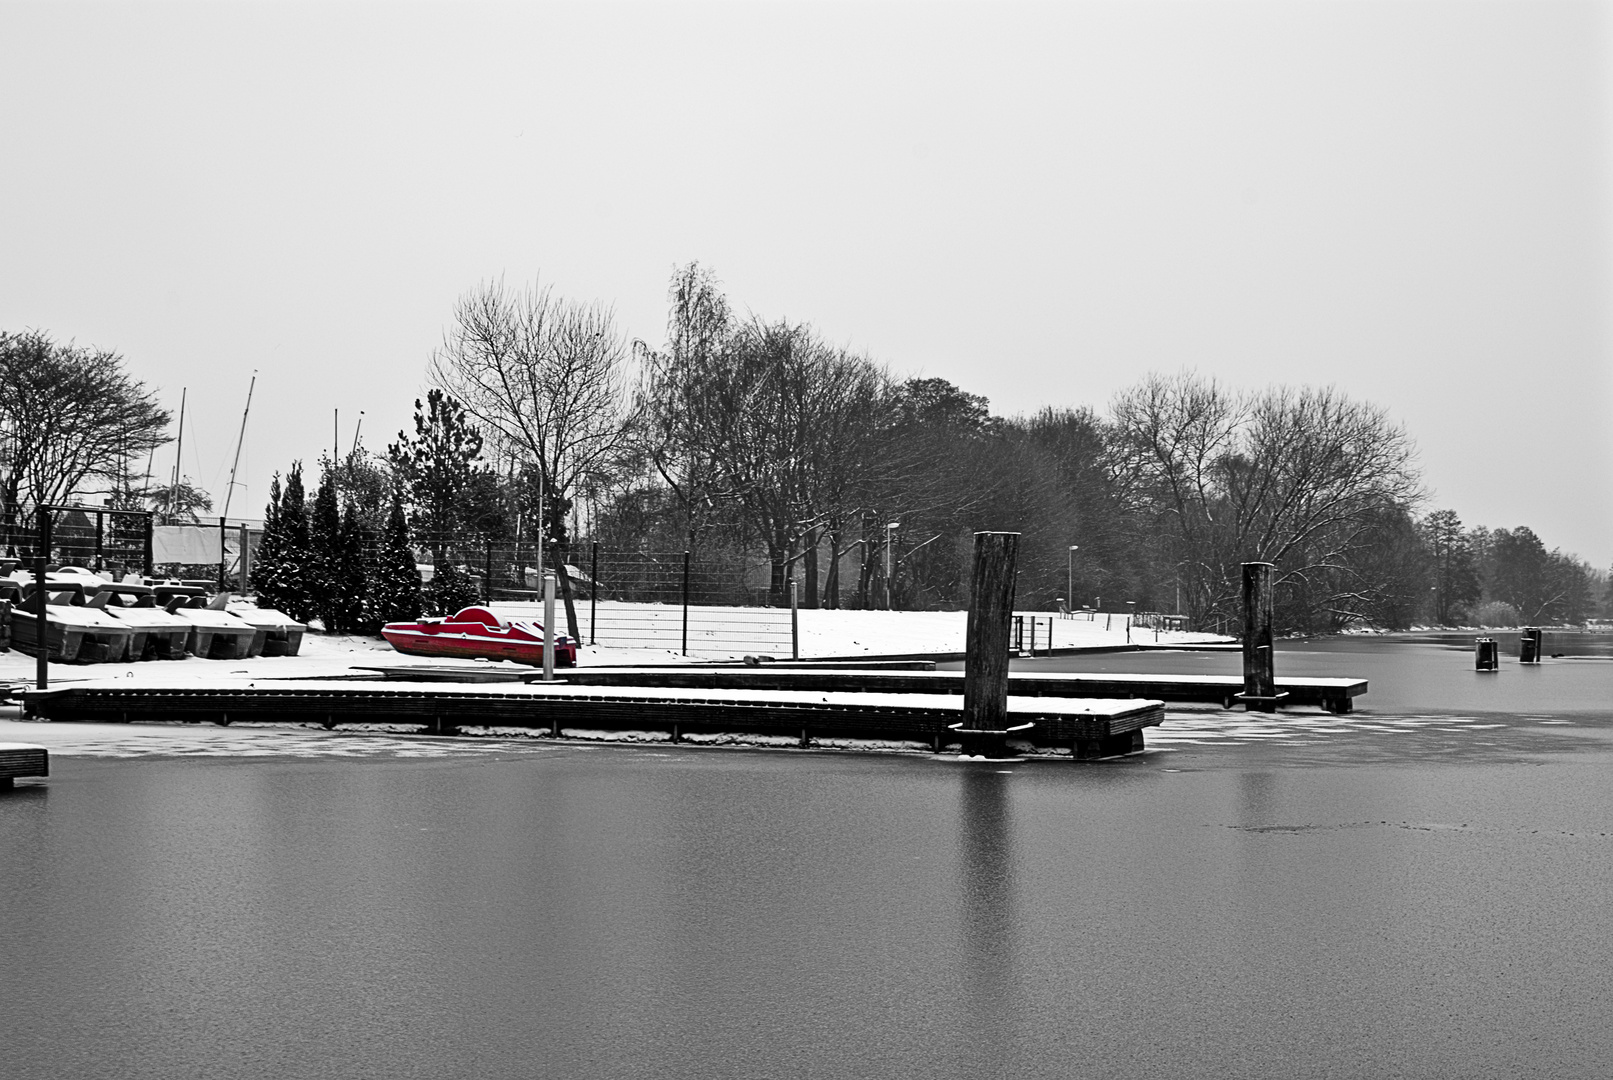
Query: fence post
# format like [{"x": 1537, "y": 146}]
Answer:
[
  {"x": 685, "y": 601},
  {"x": 487, "y": 572},
  {"x": 42, "y": 625},
  {"x": 593, "y": 597},
  {"x": 245, "y": 560},
  {"x": 985, "y": 666},
  {"x": 795, "y": 625}
]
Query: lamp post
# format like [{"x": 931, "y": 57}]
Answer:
[
  {"x": 1069, "y": 574},
  {"x": 890, "y": 526}
]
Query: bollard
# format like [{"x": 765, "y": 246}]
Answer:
[
  {"x": 1486, "y": 655},
  {"x": 1531, "y": 643},
  {"x": 1259, "y": 666},
  {"x": 984, "y": 728}
]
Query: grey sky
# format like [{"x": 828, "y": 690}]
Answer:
[{"x": 1038, "y": 203}]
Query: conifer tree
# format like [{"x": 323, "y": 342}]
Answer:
[
  {"x": 324, "y": 565},
  {"x": 352, "y": 586},
  {"x": 394, "y": 578},
  {"x": 279, "y": 572}
]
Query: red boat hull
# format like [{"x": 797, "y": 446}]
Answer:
[{"x": 478, "y": 634}]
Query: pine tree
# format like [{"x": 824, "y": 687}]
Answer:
[
  {"x": 325, "y": 572},
  {"x": 354, "y": 545},
  {"x": 279, "y": 570},
  {"x": 394, "y": 578}
]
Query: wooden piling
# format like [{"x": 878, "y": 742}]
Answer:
[
  {"x": 1486, "y": 654},
  {"x": 985, "y": 664},
  {"x": 1259, "y": 665},
  {"x": 1530, "y": 642}
]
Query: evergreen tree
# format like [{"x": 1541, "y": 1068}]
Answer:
[
  {"x": 394, "y": 594},
  {"x": 449, "y": 590},
  {"x": 324, "y": 567},
  {"x": 355, "y": 545},
  {"x": 279, "y": 570}
]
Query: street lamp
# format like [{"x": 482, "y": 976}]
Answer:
[
  {"x": 1069, "y": 574},
  {"x": 890, "y": 526}
]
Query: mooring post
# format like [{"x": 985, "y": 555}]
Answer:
[
  {"x": 42, "y": 626},
  {"x": 222, "y": 533},
  {"x": 1529, "y": 645},
  {"x": 795, "y": 624},
  {"x": 150, "y": 545},
  {"x": 1259, "y": 668},
  {"x": 100, "y": 539},
  {"x": 548, "y": 626},
  {"x": 985, "y": 664},
  {"x": 1486, "y": 654}
]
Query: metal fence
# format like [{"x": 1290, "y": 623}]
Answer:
[{"x": 695, "y": 630}]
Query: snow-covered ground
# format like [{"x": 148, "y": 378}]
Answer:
[{"x": 629, "y": 635}]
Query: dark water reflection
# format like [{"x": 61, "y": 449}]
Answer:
[{"x": 1256, "y": 910}]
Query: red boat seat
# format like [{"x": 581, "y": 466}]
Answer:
[{"x": 477, "y": 615}]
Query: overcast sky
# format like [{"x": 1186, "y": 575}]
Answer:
[{"x": 1041, "y": 204}]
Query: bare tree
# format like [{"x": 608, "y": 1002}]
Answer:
[
  {"x": 762, "y": 416},
  {"x": 1289, "y": 476},
  {"x": 546, "y": 378},
  {"x": 71, "y": 419}
]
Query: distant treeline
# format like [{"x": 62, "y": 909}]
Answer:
[{"x": 784, "y": 461}]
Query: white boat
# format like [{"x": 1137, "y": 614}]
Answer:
[
  {"x": 215, "y": 634},
  {"x": 75, "y": 630},
  {"x": 159, "y": 634},
  {"x": 278, "y": 633}
]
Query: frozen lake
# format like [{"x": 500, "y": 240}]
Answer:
[{"x": 1419, "y": 889}]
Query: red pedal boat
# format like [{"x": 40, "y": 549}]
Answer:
[{"x": 479, "y": 634}]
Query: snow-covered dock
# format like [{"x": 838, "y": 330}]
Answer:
[
  {"x": 1334, "y": 695},
  {"x": 1086, "y": 728},
  {"x": 22, "y": 759}
]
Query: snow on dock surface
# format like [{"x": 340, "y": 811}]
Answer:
[{"x": 823, "y": 633}]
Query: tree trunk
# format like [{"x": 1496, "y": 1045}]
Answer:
[
  {"x": 559, "y": 559},
  {"x": 811, "y": 558},
  {"x": 831, "y": 587}
]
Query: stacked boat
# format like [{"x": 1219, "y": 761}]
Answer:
[{"x": 89, "y": 619}]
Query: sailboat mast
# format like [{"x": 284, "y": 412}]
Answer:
[
  {"x": 179, "y": 449},
  {"x": 239, "y": 439}
]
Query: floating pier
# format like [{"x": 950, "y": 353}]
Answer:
[
  {"x": 1332, "y": 695},
  {"x": 1089, "y": 728},
  {"x": 22, "y": 759}
]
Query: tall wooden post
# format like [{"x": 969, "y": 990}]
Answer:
[
  {"x": 42, "y": 625},
  {"x": 1259, "y": 669},
  {"x": 985, "y": 665}
]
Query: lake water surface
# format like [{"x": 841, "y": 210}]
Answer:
[{"x": 1420, "y": 889}]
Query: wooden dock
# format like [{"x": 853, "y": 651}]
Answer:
[
  {"x": 1088, "y": 728},
  {"x": 1333, "y": 695},
  {"x": 20, "y": 760}
]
